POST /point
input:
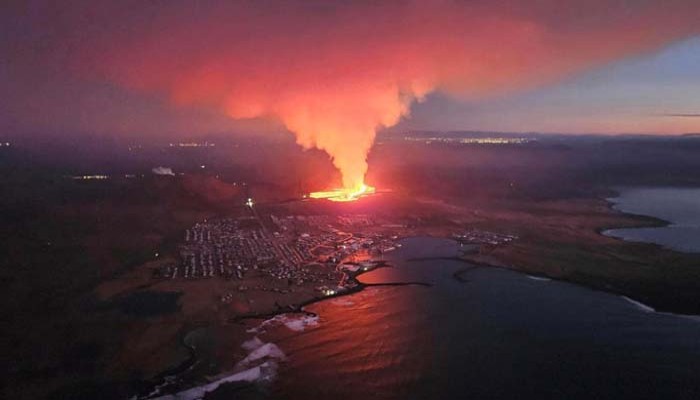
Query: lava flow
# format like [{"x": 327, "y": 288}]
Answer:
[{"x": 344, "y": 194}]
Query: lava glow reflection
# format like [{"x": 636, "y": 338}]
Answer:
[{"x": 344, "y": 194}]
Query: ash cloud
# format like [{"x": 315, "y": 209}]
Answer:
[{"x": 335, "y": 72}]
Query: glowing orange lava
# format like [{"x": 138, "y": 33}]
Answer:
[{"x": 344, "y": 194}]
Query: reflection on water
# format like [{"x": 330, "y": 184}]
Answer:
[
  {"x": 498, "y": 335},
  {"x": 679, "y": 206}
]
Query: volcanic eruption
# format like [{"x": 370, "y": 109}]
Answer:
[
  {"x": 344, "y": 194},
  {"x": 333, "y": 73}
]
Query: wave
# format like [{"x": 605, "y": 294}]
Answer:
[
  {"x": 260, "y": 365},
  {"x": 297, "y": 323},
  {"x": 649, "y": 309},
  {"x": 264, "y": 371},
  {"x": 538, "y": 278},
  {"x": 639, "y": 305},
  {"x": 266, "y": 351}
]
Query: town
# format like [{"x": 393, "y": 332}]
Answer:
[{"x": 291, "y": 250}]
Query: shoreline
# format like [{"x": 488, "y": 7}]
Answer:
[
  {"x": 657, "y": 278},
  {"x": 457, "y": 275},
  {"x": 653, "y": 223},
  {"x": 299, "y": 308},
  {"x": 173, "y": 372},
  {"x": 357, "y": 285},
  {"x": 648, "y": 221},
  {"x": 603, "y": 288},
  {"x": 474, "y": 265}
]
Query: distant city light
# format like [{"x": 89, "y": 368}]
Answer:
[
  {"x": 89, "y": 177},
  {"x": 192, "y": 144},
  {"x": 483, "y": 140},
  {"x": 249, "y": 202}
]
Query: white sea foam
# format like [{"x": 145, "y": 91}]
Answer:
[
  {"x": 260, "y": 365},
  {"x": 252, "y": 344},
  {"x": 263, "y": 372},
  {"x": 538, "y": 278},
  {"x": 268, "y": 351},
  {"x": 297, "y": 323},
  {"x": 640, "y": 306},
  {"x": 649, "y": 309}
]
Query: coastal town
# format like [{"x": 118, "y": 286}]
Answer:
[
  {"x": 278, "y": 253},
  {"x": 479, "y": 237}
]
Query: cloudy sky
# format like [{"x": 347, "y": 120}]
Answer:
[
  {"x": 657, "y": 92},
  {"x": 167, "y": 68}
]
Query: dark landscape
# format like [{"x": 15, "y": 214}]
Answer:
[
  {"x": 108, "y": 317},
  {"x": 361, "y": 200}
]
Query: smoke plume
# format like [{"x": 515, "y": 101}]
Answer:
[{"x": 335, "y": 72}]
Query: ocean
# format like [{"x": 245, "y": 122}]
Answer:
[
  {"x": 494, "y": 334},
  {"x": 679, "y": 206}
]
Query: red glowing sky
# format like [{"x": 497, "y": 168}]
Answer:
[{"x": 316, "y": 67}]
